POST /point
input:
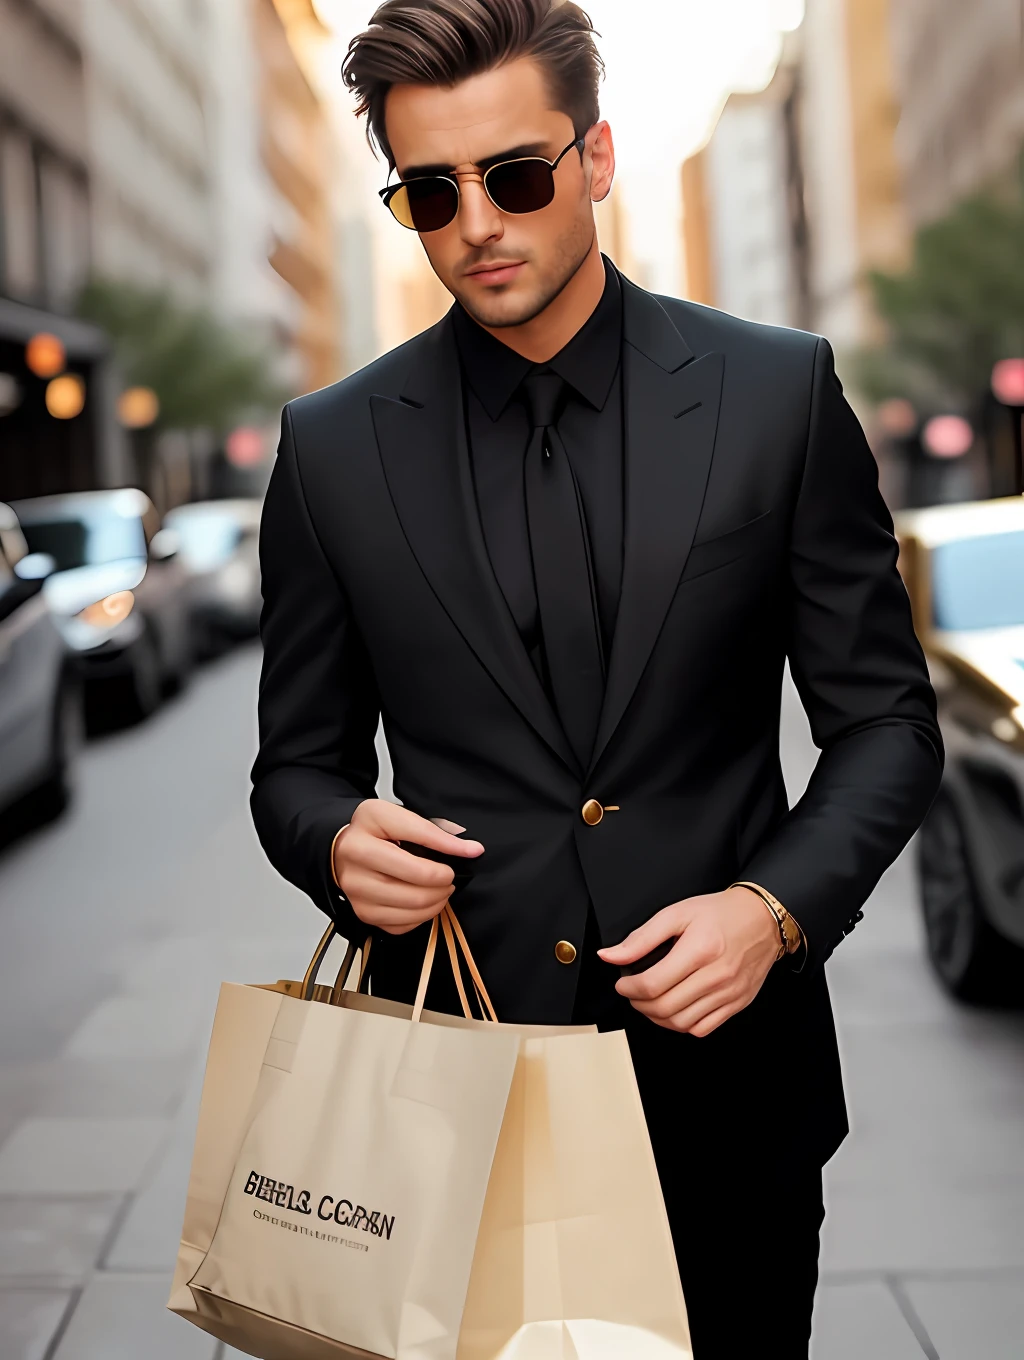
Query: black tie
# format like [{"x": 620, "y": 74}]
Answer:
[{"x": 562, "y": 569}]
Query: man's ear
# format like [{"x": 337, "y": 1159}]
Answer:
[{"x": 601, "y": 146}]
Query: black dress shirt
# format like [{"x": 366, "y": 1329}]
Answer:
[{"x": 591, "y": 428}]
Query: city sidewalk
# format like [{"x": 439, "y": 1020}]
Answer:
[{"x": 120, "y": 922}]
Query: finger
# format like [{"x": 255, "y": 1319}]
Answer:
[
  {"x": 393, "y": 922},
  {"x": 661, "y": 927},
  {"x": 713, "y": 1021},
  {"x": 683, "y": 1020},
  {"x": 698, "y": 982},
  {"x": 391, "y": 861},
  {"x": 378, "y": 890},
  {"x": 686, "y": 958},
  {"x": 401, "y": 824}
]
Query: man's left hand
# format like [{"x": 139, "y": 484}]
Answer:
[{"x": 727, "y": 944}]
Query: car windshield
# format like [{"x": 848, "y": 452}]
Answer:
[
  {"x": 979, "y": 582},
  {"x": 206, "y": 538},
  {"x": 87, "y": 538}
]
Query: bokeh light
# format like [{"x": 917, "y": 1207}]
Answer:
[
  {"x": 947, "y": 437},
  {"x": 65, "y": 396},
  {"x": 245, "y": 447},
  {"x": 1008, "y": 382},
  {"x": 45, "y": 356},
  {"x": 897, "y": 418},
  {"x": 138, "y": 407}
]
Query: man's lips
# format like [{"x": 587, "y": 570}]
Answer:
[{"x": 498, "y": 272}]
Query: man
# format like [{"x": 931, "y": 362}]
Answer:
[{"x": 564, "y": 542}]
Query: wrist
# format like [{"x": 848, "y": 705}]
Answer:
[
  {"x": 790, "y": 936},
  {"x": 334, "y": 854}
]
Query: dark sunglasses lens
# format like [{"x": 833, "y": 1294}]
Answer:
[
  {"x": 425, "y": 204},
  {"x": 521, "y": 186}
]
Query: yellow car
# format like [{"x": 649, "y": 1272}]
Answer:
[{"x": 964, "y": 570}]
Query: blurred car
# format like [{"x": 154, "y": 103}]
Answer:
[
  {"x": 40, "y": 698},
  {"x": 219, "y": 545},
  {"x": 964, "y": 570},
  {"x": 119, "y": 593}
]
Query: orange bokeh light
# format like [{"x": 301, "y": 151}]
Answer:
[
  {"x": 138, "y": 407},
  {"x": 65, "y": 396},
  {"x": 45, "y": 355}
]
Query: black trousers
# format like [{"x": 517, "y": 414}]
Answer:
[{"x": 744, "y": 1223}]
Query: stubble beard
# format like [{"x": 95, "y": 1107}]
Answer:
[{"x": 570, "y": 253}]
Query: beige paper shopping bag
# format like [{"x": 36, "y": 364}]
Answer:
[
  {"x": 573, "y": 1257},
  {"x": 349, "y": 1216}
]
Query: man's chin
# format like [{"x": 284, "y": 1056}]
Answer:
[{"x": 499, "y": 310}]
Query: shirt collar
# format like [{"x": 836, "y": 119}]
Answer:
[{"x": 588, "y": 363}]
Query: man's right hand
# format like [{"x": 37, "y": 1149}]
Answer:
[{"x": 387, "y": 887}]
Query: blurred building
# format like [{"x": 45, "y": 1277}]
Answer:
[
  {"x": 152, "y": 207},
  {"x": 44, "y": 259},
  {"x": 853, "y": 190},
  {"x": 246, "y": 204},
  {"x": 301, "y": 157},
  {"x": 744, "y": 228},
  {"x": 960, "y": 78}
]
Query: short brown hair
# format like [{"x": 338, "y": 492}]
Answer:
[{"x": 441, "y": 42}]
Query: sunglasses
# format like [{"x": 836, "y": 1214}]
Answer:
[{"x": 431, "y": 202}]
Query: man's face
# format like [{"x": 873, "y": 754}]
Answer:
[{"x": 504, "y": 268}]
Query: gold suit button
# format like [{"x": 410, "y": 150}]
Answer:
[
  {"x": 565, "y": 952},
  {"x": 593, "y": 812}
]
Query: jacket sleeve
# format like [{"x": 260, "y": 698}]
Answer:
[
  {"x": 863, "y": 681},
  {"x": 318, "y": 704}
]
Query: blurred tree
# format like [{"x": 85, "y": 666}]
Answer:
[
  {"x": 957, "y": 310},
  {"x": 206, "y": 375}
]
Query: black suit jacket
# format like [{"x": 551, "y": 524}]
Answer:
[{"x": 754, "y": 532}]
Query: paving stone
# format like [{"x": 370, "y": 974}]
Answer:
[
  {"x": 41, "y": 1237},
  {"x": 972, "y": 1319},
  {"x": 143, "y": 1025},
  {"x": 149, "y": 1236},
  {"x": 78, "y": 1156},
  {"x": 116, "y": 1088},
  {"x": 889, "y": 1229},
  {"x": 28, "y": 1320},
  {"x": 861, "y": 1320},
  {"x": 124, "y": 1317}
]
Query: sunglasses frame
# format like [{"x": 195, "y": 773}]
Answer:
[{"x": 388, "y": 193}]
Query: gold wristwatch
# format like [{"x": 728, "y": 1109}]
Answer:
[{"x": 791, "y": 937}]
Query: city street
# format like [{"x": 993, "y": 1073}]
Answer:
[{"x": 120, "y": 921}]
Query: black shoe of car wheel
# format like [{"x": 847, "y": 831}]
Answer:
[{"x": 972, "y": 959}]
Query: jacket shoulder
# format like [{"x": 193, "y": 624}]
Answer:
[
  {"x": 341, "y": 400},
  {"x": 706, "y": 329}
]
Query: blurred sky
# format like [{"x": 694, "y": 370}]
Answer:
[{"x": 670, "y": 64}]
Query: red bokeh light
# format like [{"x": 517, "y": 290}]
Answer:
[
  {"x": 245, "y": 447},
  {"x": 1008, "y": 382},
  {"x": 947, "y": 437}
]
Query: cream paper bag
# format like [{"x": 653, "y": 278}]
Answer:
[{"x": 572, "y": 1250}]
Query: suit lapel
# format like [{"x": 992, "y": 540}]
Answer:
[
  {"x": 672, "y": 407},
  {"x": 422, "y": 442}
]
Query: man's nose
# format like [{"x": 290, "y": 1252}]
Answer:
[{"x": 479, "y": 220}]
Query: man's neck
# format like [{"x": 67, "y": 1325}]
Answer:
[{"x": 541, "y": 338}]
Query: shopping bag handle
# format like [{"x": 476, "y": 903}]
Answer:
[
  {"x": 456, "y": 943},
  {"x": 307, "y": 991}
]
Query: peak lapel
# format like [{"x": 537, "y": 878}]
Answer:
[
  {"x": 422, "y": 442},
  {"x": 672, "y": 407}
]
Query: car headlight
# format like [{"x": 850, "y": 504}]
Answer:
[{"x": 110, "y": 611}]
